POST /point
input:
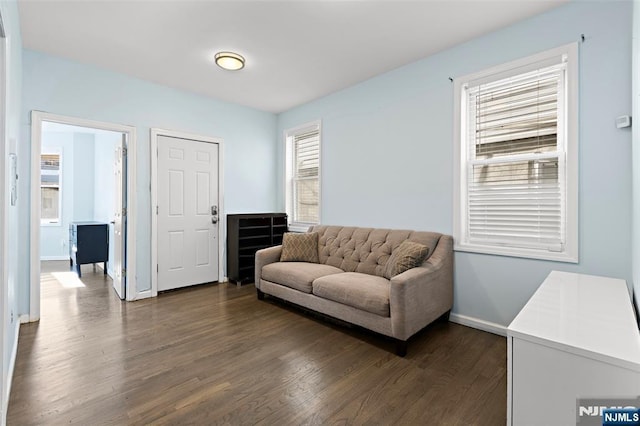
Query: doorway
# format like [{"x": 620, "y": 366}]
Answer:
[
  {"x": 97, "y": 161},
  {"x": 187, "y": 220}
]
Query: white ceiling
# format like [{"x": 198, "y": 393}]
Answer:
[{"x": 296, "y": 51}]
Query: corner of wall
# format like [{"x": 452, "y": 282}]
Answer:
[{"x": 636, "y": 305}]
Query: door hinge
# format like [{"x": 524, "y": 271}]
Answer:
[
  {"x": 157, "y": 209},
  {"x": 157, "y": 268},
  {"x": 124, "y": 152},
  {"x": 124, "y": 272},
  {"x": 124, "y": 211}
]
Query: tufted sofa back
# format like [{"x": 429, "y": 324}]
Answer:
[{"x": 365, "y": 250}]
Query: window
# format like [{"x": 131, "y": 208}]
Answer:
[
  {"x": 50, "y": 189},
  {"x": 516, "y": 158},
  {"x": 303, "y": 176}
]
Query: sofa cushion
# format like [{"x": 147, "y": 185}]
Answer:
[
  {"x": 365, "y": 250},
  {"x": 362, "y": 291},
  {"x": 299, "y": 247},
  {"x": 408, "y": 255},
  {"x": 297, "y": 275}
]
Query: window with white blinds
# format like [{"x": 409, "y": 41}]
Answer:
[
  {"x": 303, "y": 176},
  {"x": 518, "y": 160},
  {"x": 50, "y": 189}
]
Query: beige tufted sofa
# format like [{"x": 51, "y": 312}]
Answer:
[{"x": 348, "y": 282}]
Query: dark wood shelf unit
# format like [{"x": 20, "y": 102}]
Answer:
[{"x": 248, "y": 233}]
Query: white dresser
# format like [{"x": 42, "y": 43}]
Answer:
[{"x": 577, "y": 337}]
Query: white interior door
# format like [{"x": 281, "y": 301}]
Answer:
[
  {"x": 120, "y": 221},
  {"x": 187, "y": 212}
]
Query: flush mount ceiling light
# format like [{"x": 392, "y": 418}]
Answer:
[{"x": 229, "y": 61}]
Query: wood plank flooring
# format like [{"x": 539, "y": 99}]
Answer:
[{"x": 214, "y": 354}]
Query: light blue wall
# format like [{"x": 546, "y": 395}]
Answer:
[
  {"x": 64, "y": 87},
  {"x": 83, "y": 171},
  {"x": 11, "y": 21},
  {"x": 636, "y": 152},
  {"x": 387, "y": 151}
]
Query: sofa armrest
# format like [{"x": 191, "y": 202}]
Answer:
[
  {"x": 265, "y": 257},
  {"x": 421, "y": 295}
]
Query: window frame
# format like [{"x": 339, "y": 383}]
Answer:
[
  {"x": 58, "y": 152},
  {"x": 569, "y": 133},
  {"x": 289, "y": 134}
]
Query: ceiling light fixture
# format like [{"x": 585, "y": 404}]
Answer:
[{"x": 229, "y": 61}]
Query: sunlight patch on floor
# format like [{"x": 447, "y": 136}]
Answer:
[{"x": 68, "y": 279}]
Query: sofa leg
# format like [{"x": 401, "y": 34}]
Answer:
[
  {"x": 401, "y": 348},
  {"x": 260, "y": 294}
]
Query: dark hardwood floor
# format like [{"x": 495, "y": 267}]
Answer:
[{"x": 214, "y": 354}]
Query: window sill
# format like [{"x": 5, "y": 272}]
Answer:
[
  {"x": 51, "y": 224},
  {"x": 297, "y": 227},
  {"x": 565, "y": 256}
]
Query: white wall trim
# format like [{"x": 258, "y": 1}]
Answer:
[
  {"x": 12, "y": 364},
  {"x": 479, "y": 324},
  {"x": 37, "y": 117},
  {"x": 54, "y": 258},
  {"x": 5, "y": 196},
  {"x": 143, "y": 295},
  {"x": 222, "y": 228}
]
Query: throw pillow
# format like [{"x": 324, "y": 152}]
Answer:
[
  {"x": 406, "y": 256},
  {"x": 299, "y": 247}
]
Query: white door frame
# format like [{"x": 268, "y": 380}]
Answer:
[
  {"x": 37, "y": 117},
  {"x": 155, "y": 133},
  {"x": 5, "y": 384}
]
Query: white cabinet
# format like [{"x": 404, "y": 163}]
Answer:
[{"x": 577, "y": 337}]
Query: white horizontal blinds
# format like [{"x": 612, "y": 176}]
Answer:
[
  {"x": 50, "y": 187},
  {"x": 306, "y": 166},
  {"x": 50, "y": 164},
  {"x": 515, "y": 192}
]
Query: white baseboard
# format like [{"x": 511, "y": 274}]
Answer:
[
  {"x": 483, "y": 325},
  {"x": 142, "y": 295},
  {"x": 54, "y": 257},
  {"x": 12, "y": 364}
]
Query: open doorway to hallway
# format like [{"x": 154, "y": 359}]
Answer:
[
  {"x": 79, "y": 201},
  {"x": 80, "y": 184}
]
